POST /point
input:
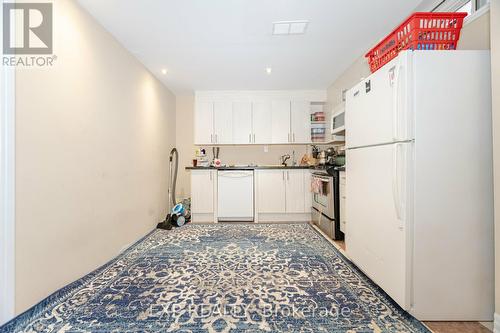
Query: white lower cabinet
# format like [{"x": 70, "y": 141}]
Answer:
[
  {"x": 307, "y": 191},
  {"x": 294, "y": 191},
  {"x": 203, "y": 189},
  {"x": 282, "y": 195},
  {"x": 343, "y": 222},
  {"x": 271, "y": 191}
]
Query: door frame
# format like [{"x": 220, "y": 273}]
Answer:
[{"x": 7, "y": 189}]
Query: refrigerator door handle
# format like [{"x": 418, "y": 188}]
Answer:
[
  {"x": 395, "y": 108},
  {"x": 396, "y": 193}
]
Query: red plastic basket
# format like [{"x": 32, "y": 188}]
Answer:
[{"x": 421, "y": 31}]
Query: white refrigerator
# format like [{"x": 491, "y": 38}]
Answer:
[{"x": 420, "y": 183}]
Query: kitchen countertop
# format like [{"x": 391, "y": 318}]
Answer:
[{"x": 248, "y": 167}]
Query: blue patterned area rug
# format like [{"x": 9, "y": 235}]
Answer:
[{"x": 222, "y": 278}]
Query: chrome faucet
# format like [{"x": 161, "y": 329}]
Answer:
[{"x": 284, "y": 158}]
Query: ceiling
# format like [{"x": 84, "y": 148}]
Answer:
[{"x": 228, "y": 44}]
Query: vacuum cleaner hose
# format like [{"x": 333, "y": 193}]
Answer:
[{"x": 173, "y": 177}]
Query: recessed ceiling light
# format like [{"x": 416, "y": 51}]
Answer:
[
  {"x": 164, "y": 71},
  {"x": 269, "y": 70},
  {"x": 290, "y": 27}
]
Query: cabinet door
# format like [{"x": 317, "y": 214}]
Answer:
[
  {"x": 271, "y": 191},
  {"x": 242, "y": 123},
  {"x": 280, "y": 121},
  {"x": 307, "y": 191},
  {"x": 343, "y": 222},
  {"x": 202, "y": 191},
  {"x": 295, "y": 199},
  {"x": 204, "y": 123},
  {"x": 261, "y": 122},
  {"x": 300, "y": 122},
  {"x": 223, "y": 122}
]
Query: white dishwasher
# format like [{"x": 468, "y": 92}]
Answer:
[{"x": 235, "y": 195}]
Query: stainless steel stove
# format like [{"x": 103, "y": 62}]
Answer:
[{"x": 325, "y": 200}]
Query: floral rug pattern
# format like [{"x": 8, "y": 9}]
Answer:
[{"x": 222, "y": 278}]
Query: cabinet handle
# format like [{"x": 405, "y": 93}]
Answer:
[
  {"x": 216, "y": 140},
  {"x": 211, "y": 138},
  {"x": 254, "y": 138},
  {"x": 250, "y": 138},
  {"x": 283, "y": 175},
  {"x": 288, "y": 137},
  {"x": 293, "y": 135}
]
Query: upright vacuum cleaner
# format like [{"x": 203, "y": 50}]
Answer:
[{"x": 167, "y": 223}]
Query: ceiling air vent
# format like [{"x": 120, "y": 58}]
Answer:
[{"x": 290, "y": 27}]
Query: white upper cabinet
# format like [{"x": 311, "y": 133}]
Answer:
[
  {"x": 291, "y": 122},
  {"x": 242, "y": 123},
  {"x": 300, "y": 122},
  {"x": 280, "y": 121},
  {"x": 223, "y": 122},
  {"x": 254, "y": 117},
  {"x": 261, "y": 122},
  {"x": 204, "y": 123}
]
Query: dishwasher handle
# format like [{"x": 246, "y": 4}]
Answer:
[{"x": 235, "y": 174}]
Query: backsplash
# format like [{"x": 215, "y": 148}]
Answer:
[
  {"x": 256, "y": 155},
  {"x": 235, "y": 155}
]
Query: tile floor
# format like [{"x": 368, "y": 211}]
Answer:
[{"x": 457, "y": 327}]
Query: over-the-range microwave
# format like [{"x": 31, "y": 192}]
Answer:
[{"x": 337, "y": 123}]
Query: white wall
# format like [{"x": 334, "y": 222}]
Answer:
[
  {"x": 7, "y": 189},
  {"x": 93, "y": 136},
  {"x": 185, "y": 143},
  {"x": 495, "y": 71},
  {"x": 475, "y": 34}
]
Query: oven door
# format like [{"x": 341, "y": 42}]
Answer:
[{"x": 323, "y": 195}]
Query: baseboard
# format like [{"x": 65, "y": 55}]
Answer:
[
  {"x": 284, "y": 218},
  {"x": 125, "y": 247},
  {"x": 496, "y": 325},
  {"x": 202, "y": 218}
]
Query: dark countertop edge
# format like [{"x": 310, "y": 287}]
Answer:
[{"x": 251, "y": 168}]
